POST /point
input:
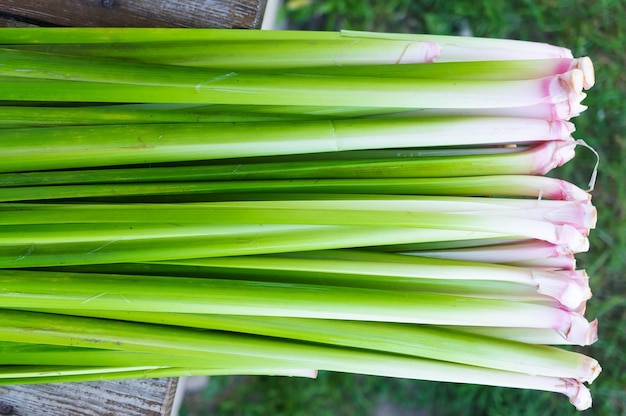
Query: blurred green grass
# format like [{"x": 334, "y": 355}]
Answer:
[{"x": 589, "y": 28}]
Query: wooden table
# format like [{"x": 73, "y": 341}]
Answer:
[
  {"x": 153, "y": 397},
  {"x": 137, "y": 13}
]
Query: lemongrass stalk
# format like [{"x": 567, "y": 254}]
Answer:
[
  {"x": 524, "y": 335},
  {"x": 563, "y": 262},
  {"x": 359, "y": 268},
  {"x": 34, "y": 372},
  {"x": 528, "y": 252},
  {"x": 91, "y": 374},
  {"x": 501, "y": 185},
  {"x": 581, "y": 216},
  {"x": 267, "y": 239},
  {"x": 467, "y": 45},
  {"x": 473, "y": 69},
  {"x": 48, "y": 147},
  {"x": 444, "y": 245},
  {"x": 503, "y": 70},
  {"x": 351, "y": 216},
  {"x": 49, "y": 290},
  {"x": 470, "y": 48},
  {"x": 42, "y": 213},
  {"x": 350, "y": 56},
  {"x": 564, "y": 110},
  {"x": 55, "y": 80},
  {"x": 561, "y": 110},
  {"x": 78, "y": 331},
  {"x": 67, "y": 35},
  {"x": 424, "y": 341},
  {"x": 102, "y": 233},
  {"x": 107, "y": 242},
  {"x": 421, "y": 203},
  {"x": 32, "y": 116},
  {"x": 473, "y": 288},
  {"x": 536, "y": 160},
  {"x": 557, "y": 222},
  {"x": 258, "y": 54},
  {"x": 499, "y": 290},
  {"x": 133, "y": 35},
  {"x": 29, "y": 354}
]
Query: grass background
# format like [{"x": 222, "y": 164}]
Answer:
[{"x": 593, "y": 28}]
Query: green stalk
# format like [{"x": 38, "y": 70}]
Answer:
[
  {"x": 525, "y": 335},
  {"x": 101, "y": 233},
  {"x": 35, "y": 372},
  {"x": 23, "y": 289},
  {"x": 501, "y": 185},
  {"x": 503, "y": 70},
  {"x": 529, "y": 253},
  {"x": 256, "y": 54},
  {"x": 477, "y": 288},
  {"x": 68, "y": 35},
  {"x": 425, "y": 341},
  {"x": 452, "y": 45},
  {"x": 485, "y": 48},
  {"x": 47, "y": 148},
  {"x": 349, "y": 56},
  {"x": 562, "y": 110},
  {"x": 555, "y": 211},
  {"x": 546, "y": 111},
  {"x": 410, "y": 227},
  {"x": 398, "y": 272},
  {"x": 62, "y": 375},
  {"x": 536, "y": 160},
  {"x": 32, "y": 116},
  {"x": 27, "y": 354},
  {"x": 438, "y": 208},
  {"x": 556, "y": 222},
  {"x": 34, "y": 76},
  {"x": 264, "y": 239},
  {"x": 65, "y": 330}
]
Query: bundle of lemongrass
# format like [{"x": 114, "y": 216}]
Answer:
[{"x": 212, "y": 202}]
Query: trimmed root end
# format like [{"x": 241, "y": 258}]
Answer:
[
  {"x": 585, "y": 65},
  {"x": 581, "y": 332},
  {"x": 578, "y": 394}
]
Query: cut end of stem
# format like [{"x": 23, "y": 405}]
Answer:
[
  {"x": 569, "y": 287},
  {"x": 592, "y": 370},
  {"x": 553, "y": 154},
  {"x": 585, "y": 65},
  {"x": 567, "y": 87},
  {"x": 574, "y": 82},
  {"x": 572, "y": 239},
  {"x": 565, "y": 110},
  {"x": 582, "y": 216},
  {"x": 577, "y": 290},
  {"x": 581, "y": 332},
  {"x": 570, "y": 192},
  {"x": 578, "y": 394}
]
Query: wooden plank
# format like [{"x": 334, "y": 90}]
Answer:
[
  {"x": 12, "y": 22},
  {"x": 151, "y": 397},
  {"x": 132, "y": 13}
]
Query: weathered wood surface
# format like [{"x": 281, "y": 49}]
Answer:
[
  {"x": 152, "y": 397},
  {"x": 136, "y": 13},
  {"x": 12, "y": 22}
]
